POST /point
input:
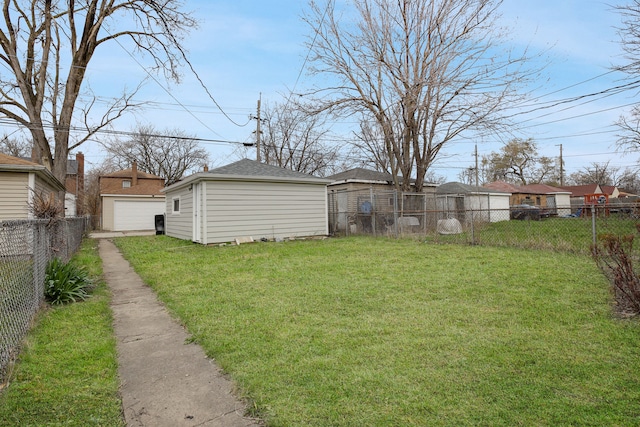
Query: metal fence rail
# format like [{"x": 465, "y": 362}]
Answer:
[
  {"x": 26, "y": 247},
  {"x": 471, "y": 219}
]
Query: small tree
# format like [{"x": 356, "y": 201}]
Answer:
[
  {"x": 294, "y": 139},
  {"x": 169, "y": 154},
  {"x": 518, "y": 162},
  {"x": 16, "y": 147}
]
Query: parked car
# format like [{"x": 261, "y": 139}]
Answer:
[{"x": 528, "y": 212}]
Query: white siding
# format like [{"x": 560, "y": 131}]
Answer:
[
  {"x": 14, "y": 191},
  {"x": 179, "y": 225},
  {"x": 263, "y": 209},
  {"x": 563, "y": 203}
]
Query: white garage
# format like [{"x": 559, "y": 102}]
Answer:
[{"x": 136, "y": 214}]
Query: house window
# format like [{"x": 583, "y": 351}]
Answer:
[
  {"x": 176, "y": 205},
  {"x": 126, "y": 184}
]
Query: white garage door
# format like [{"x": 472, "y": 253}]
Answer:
[{"x": 136, "y": 214}]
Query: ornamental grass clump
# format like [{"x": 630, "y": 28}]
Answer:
[{"x": 65, "y": 282}]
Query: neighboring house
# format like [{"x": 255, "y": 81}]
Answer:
[
  {"x": 360, "y": 178},
  {"x": 354, "y": 191},
  {"x": 246, "y": 199},
  {"x": 21, "y": 181},
  {"x": 579, "y": 191},
  {"x": 130, "y": 200},
  {"x": 610, "y": 190},
  {"x": 467, "y": 202},
  {"x": 555, "y": 199},
  {"x": 74, "y": 183}
]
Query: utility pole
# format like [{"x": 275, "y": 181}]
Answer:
[
  {"x": 561, "y": 168},
  {"x": 476, "y": 165},
  {"x": 258, "y": 132}
]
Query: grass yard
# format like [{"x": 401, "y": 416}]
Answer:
[
  {"x": 67, "y": 372},
  {"x": 560, "y": 234},
  {"x": 377, "y": 332}
]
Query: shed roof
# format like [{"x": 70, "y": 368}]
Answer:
[
  {"x": 249, "y": 170},
  {"x": 544, "y": 189},
  {"x": 503, "y": 186},
  {"x": 362, "y": 174},
  {"x": 461, "y": 188}
]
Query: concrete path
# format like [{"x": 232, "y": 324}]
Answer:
[{"x": 164, "y": 380}]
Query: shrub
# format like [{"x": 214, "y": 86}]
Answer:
[
  {"x": 614, "y": 257},
  {"x": 65, "y": 283}
]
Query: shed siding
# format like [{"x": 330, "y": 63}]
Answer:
[
  {"x": 262, "y": 209},
  {"x": 180, "y": 225},
  {"x": 14, "y": 192}
]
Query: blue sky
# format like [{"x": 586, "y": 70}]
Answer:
[{"x": 245, "y": 49}]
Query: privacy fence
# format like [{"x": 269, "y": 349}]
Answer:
[
  {"x": 479, "y": 219},
  {"x": 26, "y": 247}
]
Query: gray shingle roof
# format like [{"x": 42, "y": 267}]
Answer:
[
  {"x": 246, "y": 167},
  {"x": 361, "y": 174},
  {"x": 461, "y": 188}
]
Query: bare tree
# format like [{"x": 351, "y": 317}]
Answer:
[
  {"x": 46, "y": 47},
  {"x": 169, "y": 154},
  {"x": 91, "y": 197},
  {"x": 518, "y": 162},
  {"x": 296, "y": 140},
  {"x": 368, "y": 146},
  {"x": 16, "y": 147},
  {"x": 606, "y": 174},
  {"x": 425, "y": 72}
]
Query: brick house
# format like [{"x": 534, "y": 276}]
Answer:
[{"x": 130, "y": 199}]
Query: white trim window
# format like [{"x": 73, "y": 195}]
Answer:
[
  {"x": 126, "y": 183},
  {"x": 175, "y": 205}
]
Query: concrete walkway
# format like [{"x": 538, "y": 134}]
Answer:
[{"x": 164, "y": 380}]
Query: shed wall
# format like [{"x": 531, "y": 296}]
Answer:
[
  {"x": 264, "y": 209},
  {"x": 180, "y": 225}
]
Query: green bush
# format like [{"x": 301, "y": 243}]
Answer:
[{"x": 65, "y": 283}]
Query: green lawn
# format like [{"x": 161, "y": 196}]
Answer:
[
  {"x": 377, "y": 332},
  {"x": 67, "y": 372},
  {"x": 559, "y": 234}
]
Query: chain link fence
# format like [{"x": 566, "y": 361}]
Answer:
[
  {"x": 478, "y": 219},
  {"x": 26, "y": 247}
]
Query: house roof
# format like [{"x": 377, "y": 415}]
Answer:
[
  {"x": 249, "y": 170},
  {"x": 5, "y": 159},
  {"x": 525, "y": 189},
  {"x": 148, "y": 184},
  {"x": 128, "y": 173},
  {"x": 581, "y": 190},
  {"x": 608, "y": 189},
  {"x": 461, "y": 188},
  {"x": 543, "y": 189},
  {"x": 362, "y": 174},
  {"x": 366, "y": 176},
  {"x": 15, "y": 164},
  {"x": 503, "y": 186}
]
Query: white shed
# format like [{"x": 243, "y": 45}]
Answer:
[
  {"x": 478, "y": 202},
  {"x": 246, "y": 199}
]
